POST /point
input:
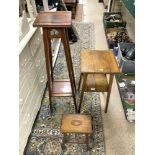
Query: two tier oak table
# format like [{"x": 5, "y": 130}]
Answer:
[{"x": 95, "y": 65}]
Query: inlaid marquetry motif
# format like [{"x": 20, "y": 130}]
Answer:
[{"x": 54, "y": 33}]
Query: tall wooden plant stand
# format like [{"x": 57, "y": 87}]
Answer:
[{"x": 54, "y": 25}]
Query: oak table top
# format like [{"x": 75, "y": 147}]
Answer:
[
  {"x": 98, "y": 62},
  {"x": 69, "y": 1}
]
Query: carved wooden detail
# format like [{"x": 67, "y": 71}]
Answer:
[{"x": 54, "y": 33}]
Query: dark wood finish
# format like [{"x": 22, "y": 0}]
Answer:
[
  {"x": 80, "y": 82},
  {"x": 69, "y": 59},
  {"x": 69, "y": 1},
  {"x": 76, "y": 124},
  {"x": 48, "y": 62},
  {"x": 54, "y": 26},
  {"x": 72, "y": 4},
  {"x": 109, "y": 91},
  {"x": 65, "y": 41},
  {"x": 61, "y": 88},
  {"x": 100, "y": 1},
  {"x": 53, "y": 19},
  {"x": 95, "y": 65},
  {"x": 83, "y": 88}
]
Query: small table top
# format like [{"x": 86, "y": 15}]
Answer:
[
  {"x": 53, "y": 19},
  {"x": 98, "y": 61},
  {"x": 69, "y": 1},
  {"x": 76, "y": 123}
]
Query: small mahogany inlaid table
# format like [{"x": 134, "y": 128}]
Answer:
[
  {"x": 95, "y": 65},
  {"x": 76, "y": 124},
  {"x": 54, "y": 25}
]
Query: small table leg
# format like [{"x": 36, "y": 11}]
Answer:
[
  {"x": 79, "y": 82},
  {"x": 82, "y": 91},
  {"x": 109, "y": 91},
  {"x": 47, "y": 50},
  {"x": 63, "y": 142},
  {"x": 87, "y": 141}
]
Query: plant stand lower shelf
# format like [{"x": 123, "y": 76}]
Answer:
[{"x": 61, "y": 88}]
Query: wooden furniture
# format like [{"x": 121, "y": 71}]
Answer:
[
  {"x": 95, "y": 65},
  {"x": 55, "y": 25},
  {"x": 71, "y": 6},
  {"x": 76, "y": 124}
]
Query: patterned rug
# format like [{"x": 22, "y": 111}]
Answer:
[{"x": 45, "y": 138}]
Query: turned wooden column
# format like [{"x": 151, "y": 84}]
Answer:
[{"x": 54, "y": 25}]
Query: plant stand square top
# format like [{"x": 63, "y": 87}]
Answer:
[{"x": 53, "y": 19}]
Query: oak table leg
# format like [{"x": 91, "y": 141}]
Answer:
[
  {"x": 109, "y": 91},
  {"x": 82, "y": 91},
  {"x": 79, "y": 82}
]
